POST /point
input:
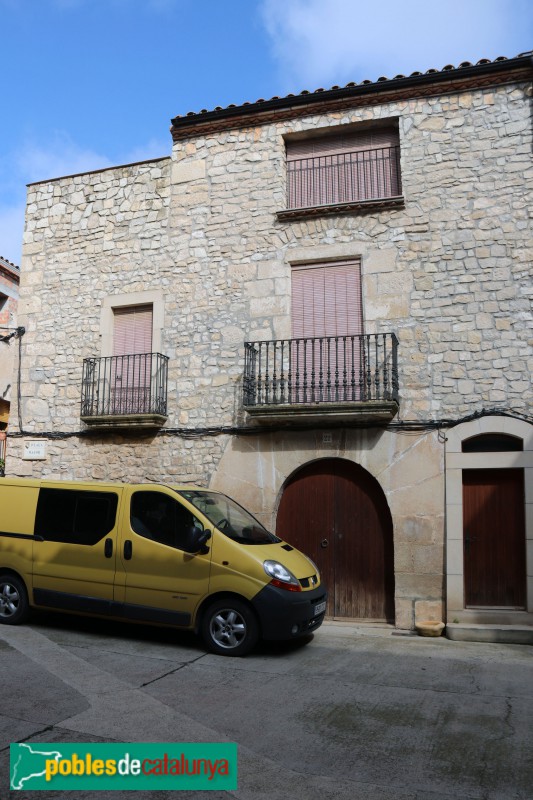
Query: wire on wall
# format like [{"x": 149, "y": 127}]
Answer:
[{"x": 395, "y": 426}]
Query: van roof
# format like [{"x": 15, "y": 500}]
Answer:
[{"x": 59, "y": 482}]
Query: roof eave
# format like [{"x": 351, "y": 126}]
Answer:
[
  {"x": 9, "y": 267},
  {"x": 504, "y": 67}
]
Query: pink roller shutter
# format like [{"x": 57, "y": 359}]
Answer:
[
  {"x": 341, "y": 143},
  {"x": 132, "y": 330},
  {"x": 131, "y": 371},
  {"x": 344, "y": 168},
  {"x": 327, "y": 323},
  {"x": 326, "y": 300}
]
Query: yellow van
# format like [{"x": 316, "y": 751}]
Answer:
[{"x": 168, "y": 555}]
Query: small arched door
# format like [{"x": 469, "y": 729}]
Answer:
[{"x": 336, "y": 512}]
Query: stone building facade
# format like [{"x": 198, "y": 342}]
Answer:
[
  {"x": 213, "y": 242},
  {"x": 9, "y": 291}
]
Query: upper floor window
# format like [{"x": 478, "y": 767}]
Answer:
[
  {"x": 348, "y": 168},
  {"x": 132, "y": 367},
  {"x": 127, "y": 384},
  {"x": 327, "y": 328},
  {"x": 132, "y": 330},
  {"x": 326, "y": 300}
]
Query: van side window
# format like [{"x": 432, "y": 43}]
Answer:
[
  {"x": 157, "y": 516},
  {"x": 74, "y": 516}
]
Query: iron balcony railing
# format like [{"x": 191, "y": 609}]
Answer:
[
  {"x": 330, "y": 369},
  {"x": 344, "y": 178},
  {"x": 124, "y": 385}
]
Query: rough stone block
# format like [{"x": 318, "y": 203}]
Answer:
[{"x": 432, "y": 610}]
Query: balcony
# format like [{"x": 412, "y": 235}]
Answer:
[
  {"x": 336, "y": 378},
  {"x": 125, "y": 391},
  {"x": 343, "y": 182}
]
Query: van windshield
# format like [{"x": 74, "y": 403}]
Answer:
[{"x": 229, "y": 517}]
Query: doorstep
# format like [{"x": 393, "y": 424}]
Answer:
[
  {"x": 501, "y": 625},
  {"x": 487, "y": 632}
]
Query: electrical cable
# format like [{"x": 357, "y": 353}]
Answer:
[{"x": 395, "y": 426}]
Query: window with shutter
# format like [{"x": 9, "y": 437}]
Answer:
[
  {"x": 326, "y": 300},
  {"x": 132, "y": 362},
  {"x": 132, "y": 330},
  {"x": 348, "y": 167},
  {"x": 327, "y": 326}
]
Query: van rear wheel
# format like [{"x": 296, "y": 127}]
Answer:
[
  {"x": 14, "y": 606},
  {"x": 229, "y": 628}
]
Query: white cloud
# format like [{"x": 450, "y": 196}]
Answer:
[
  {"x": 320, "y": 42},
  {"x": 58, "y": 156},
  {"x": 154, "y": 148}
]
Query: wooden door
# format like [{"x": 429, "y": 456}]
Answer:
[
  {"x": 336, "y": 512},
  {"x": 494, "y": 538}
]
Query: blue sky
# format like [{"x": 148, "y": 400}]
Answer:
[{"x": 87, "y": 84}]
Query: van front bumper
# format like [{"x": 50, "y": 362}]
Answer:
[{"x": 287, "y": 615}]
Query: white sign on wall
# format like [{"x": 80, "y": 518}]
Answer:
[{"x": 34, "y": 450}]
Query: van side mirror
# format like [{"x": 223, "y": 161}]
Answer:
[{"x": 196, "y": 540}]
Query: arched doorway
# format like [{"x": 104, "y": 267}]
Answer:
[{"x": 336, "y": 512}]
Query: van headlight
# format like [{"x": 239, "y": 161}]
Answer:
[{"x": 281, "y": 576}]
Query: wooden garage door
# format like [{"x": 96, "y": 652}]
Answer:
[
  {"x": 336, "y": 512},
  {"x": 494, "y": 538}
]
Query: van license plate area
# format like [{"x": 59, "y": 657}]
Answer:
[{"x": 319, "y": 608}]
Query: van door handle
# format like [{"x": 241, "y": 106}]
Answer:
[
  {"x": 128, "y": 549},
  {"x": 108, "y": 548}
]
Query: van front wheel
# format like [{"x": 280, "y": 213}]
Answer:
[
  {"x": 14, "y": 607},
  {"x": 229, "y": 628}
]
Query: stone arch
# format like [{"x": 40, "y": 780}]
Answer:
[{"x": 336, "y": 512}]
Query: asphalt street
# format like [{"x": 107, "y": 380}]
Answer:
[{"x": 358, "y": 712}]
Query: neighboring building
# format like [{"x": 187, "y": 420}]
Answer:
[
  {"x": 320, "y": 305},
  {"x": 9, "y": 292}
]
